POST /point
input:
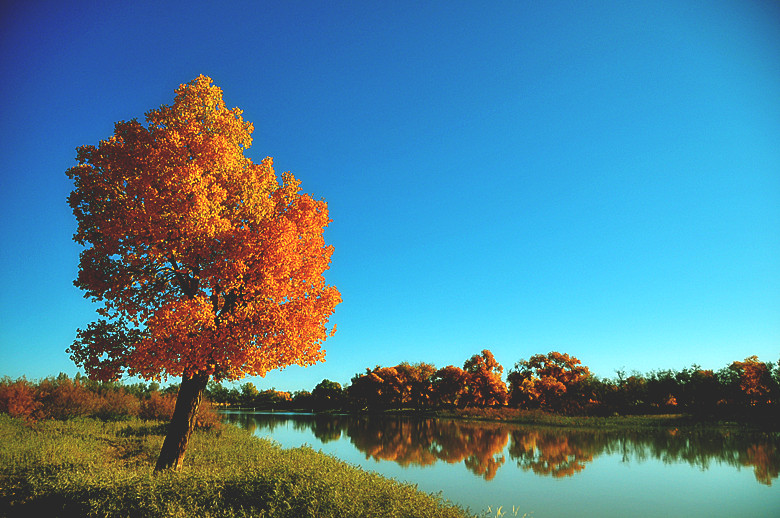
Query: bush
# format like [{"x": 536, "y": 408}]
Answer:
[
  {"x": 18, "y": 398},
  {"x": 160, "y": 408},
  {"x": 117, "y": 404},
  {"x": 62, "y": 398},
  {"x": 157, "y": 407}
]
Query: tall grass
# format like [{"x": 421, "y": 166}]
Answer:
[{"x": 87, "y": 467}]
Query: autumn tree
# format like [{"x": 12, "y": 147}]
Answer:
[
  {"x": 418, "y": 379},
  {"x": 757, "y": 387},
  {"x": 205, "y": 264},
  {"x": 545, "y": 379},
  {"x": 485, "y": 387},
  {"x": 450, "y": 386}
]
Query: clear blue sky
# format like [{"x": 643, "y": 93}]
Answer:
[{"x": 597, "y": 178}]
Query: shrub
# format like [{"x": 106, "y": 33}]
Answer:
[
  {"x": 157, "y": 407},
  {"x": 207, "y": 416},
  {"x": 62, "y": 398},
  {"x": 117, "y": 404},
  {"x": 18, "y": 398},
  {"x": 160, "y": 408}
]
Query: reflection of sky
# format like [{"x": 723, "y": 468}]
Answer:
[{"x": 608, "y": 487}]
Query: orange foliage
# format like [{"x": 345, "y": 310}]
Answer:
[
  {"x": 543, "y": 380},
  {"x": 117, "y": 403},
  {"x": 64, "y": 398},
  {"x": 755, "y": 380},
  {"x": 548, "y": 453},
  {"x": 18, "y": 398},
  {"x": 485, "y": 387},
  {"x": 203, "y": 261},
  {"x": 157, "y": 407},
  {"x": 450, "y": 386}
]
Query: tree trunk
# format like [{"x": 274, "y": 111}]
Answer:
[{"x": 182, "y": 422}]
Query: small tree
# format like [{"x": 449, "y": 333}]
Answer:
[{"x": 206, "y": 264}]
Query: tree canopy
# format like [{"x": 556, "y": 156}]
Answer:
[{"x": 203, "y": 261}]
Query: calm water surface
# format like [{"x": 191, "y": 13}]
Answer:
[{"x": 549, "y": 472}]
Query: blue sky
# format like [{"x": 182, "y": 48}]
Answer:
[{"x": 597, "y": 178}]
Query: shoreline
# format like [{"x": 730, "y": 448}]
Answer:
[{"x": 547, "y": 419}]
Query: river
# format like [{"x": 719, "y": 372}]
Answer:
[{"x": 549, "y": 472}]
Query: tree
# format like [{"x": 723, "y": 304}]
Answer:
[
  {"x": 379, "y": 388},
  {"x": 327, "y": 395},
  {"x": 544, "y": 379},
  {"x": 206, "y": 265},
  {"x": 419, "y": 383},
  {"x": 756, "y": 384},
  {"x": 249, "y": 393},
  {"x": 450, "y": 386},
  {"x": 484, "y": 380}
]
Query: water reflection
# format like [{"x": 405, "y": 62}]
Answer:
[{"x": 553, "y": 452}]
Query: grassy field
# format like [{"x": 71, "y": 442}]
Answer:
[{"x": 87, "y": 467}]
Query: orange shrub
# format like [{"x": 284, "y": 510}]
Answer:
[
  {"x": 64, "y": 399},
  {"x": 160, "y": 408},
  {"x": 115, "y": 404},
  {"x": 207, "y": 416},
  {"x": 157, "y": 407},
  {"x": 18, "y": 398}
]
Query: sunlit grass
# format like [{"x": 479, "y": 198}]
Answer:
[
  {"x": 86, "y": 467},
  {"x": 501, "y": 512}
]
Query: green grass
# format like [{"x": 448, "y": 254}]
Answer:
[
  {"x": 620, "y": 422},
  {"x": 86, "y": 467}
]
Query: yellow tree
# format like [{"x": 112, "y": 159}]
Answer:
[{"x": 204, "y": 263}]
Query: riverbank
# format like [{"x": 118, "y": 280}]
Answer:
[
  {"x": 549, "y": 419},
  {"x": 541, "y": 418},
  {"x": 87, "y": 467}
]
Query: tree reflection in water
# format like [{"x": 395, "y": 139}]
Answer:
[
  {"x": 552, "y": 453},
  {"x": 555, "y": 452}
]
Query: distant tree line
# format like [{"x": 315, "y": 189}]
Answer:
[{"x": 554, "y": 382}]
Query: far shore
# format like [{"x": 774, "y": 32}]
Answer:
[{"x": 540, "y": 417}]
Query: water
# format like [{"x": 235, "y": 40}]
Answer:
[{"x": 550, "y": 472}]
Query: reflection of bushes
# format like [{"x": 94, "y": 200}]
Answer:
[
  {"x": 554, "y": 454},
  {"x": 551, "y": 451}
]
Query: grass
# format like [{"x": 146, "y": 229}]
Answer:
[
  {"x": 87, "y": 467},
  {"x": 622, "y": 422}
]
